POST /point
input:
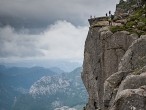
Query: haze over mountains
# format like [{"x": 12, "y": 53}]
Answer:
[
  {"x": 41, "y": 88},
  {"x": 63, "y": 64}
]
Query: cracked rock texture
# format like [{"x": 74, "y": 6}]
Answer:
[{"x": 114, "y": 70}]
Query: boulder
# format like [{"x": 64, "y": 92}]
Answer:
[
  {"x": 132, "y": 82},
  {"x": 111, "y": 86},
  {"x": 131, "y": 99},
  {"x": 135, "y": 56}
]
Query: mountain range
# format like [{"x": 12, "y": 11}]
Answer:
[{"x": 39, "y": 88}]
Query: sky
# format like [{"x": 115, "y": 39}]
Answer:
[{"x": 47, "y": 30}]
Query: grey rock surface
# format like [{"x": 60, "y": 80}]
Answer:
[
  {"x": 91, "y": 66},
  {"x": 131, "y": 99},
  {"x": 135, "y": 57},
  {"x": 132, "y": 82},
  {"x": 103, "y": 52},
  {"x": 111, "y": 86},
  {"x": 114, "y": 66}
]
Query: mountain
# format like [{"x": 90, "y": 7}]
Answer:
[
  {"x": 56, "y": 70},
  {"x": 21, "y": 76},
  {"x": 49, "y": 85},
  {"x": 16, "y": 81},
  {"x": 61, "y": 92},
  {"x": 40, "y": 88},
  {"x": 64, "y": 65}
]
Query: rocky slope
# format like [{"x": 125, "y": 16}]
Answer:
[
  {"x": 63, "y": 91},
  {"x": 39, "y": 88},
  {"x": 114, "y": 68}
]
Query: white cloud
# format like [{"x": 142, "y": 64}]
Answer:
[
  {"x": 60, "y": 41},
  {"x": 17, "y": 45}
]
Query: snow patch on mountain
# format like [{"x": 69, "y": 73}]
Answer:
[{"x": 48, "y": 85}]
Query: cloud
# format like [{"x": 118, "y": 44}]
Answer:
[
  {"x": 46, "y": 12},
  {"x": 14, "y": 44},
  {"x": 61, "y": 40}
]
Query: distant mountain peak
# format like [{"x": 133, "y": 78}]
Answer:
[{"x": 48, "y": 85}]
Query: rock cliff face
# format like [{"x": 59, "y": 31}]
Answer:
[
  {"x": 114, "y": 67},
  {"x": 114, "y": 70}
]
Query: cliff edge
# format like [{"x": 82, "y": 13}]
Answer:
[{"x": 114, "y": 67}]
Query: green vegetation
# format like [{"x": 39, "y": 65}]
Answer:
[
  {"x": 117, "y": 28},
  {"x": 135, "y": 22}
]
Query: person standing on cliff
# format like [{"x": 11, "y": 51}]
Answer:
[
  {"x": 106, "y": 14},
  {"x": 109, "y": 13},
  {"x": 110, "y": 18}
]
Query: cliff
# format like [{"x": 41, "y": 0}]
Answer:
[{"x": 114, "y": 67}]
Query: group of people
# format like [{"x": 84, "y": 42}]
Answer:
[
  {"x": 92, "y": 17},
  {"x": 110, "y": 18}
]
